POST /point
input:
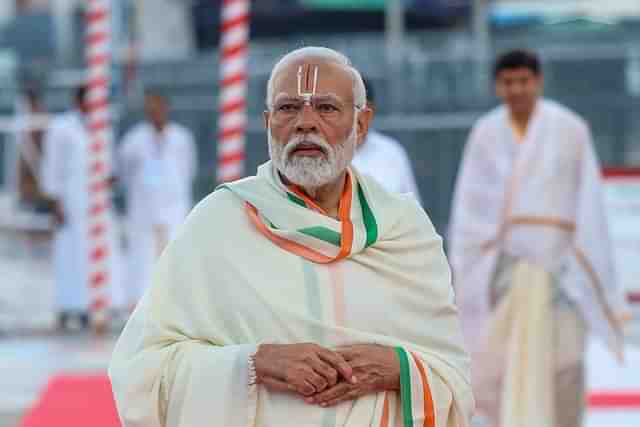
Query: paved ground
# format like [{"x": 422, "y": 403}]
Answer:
[
  {"x": 28, "y": 363},
  {"x": 29, "y": 355}
]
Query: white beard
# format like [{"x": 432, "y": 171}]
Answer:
[{"x": 311, "y": 173}]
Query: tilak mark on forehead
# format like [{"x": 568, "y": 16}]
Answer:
[{"x": 307, "y": 85}]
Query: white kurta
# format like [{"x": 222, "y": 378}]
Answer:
[
  {"x": 158, "y": 171},
  {"x": 65, "y": 177},
  {"x": 539, "y": 200},
  {"x": 386, "y": 160}
]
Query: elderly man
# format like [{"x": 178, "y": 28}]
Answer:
[
  {"x": 530, "y": 253},
  {"x": 304, "y": 296}
]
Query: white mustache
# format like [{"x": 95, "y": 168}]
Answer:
[{"x": 308, "y": 140}]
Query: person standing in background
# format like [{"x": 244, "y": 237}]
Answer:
[
  {"x": 384, "y": 158},
  {"x": 530, "y": 252},
  {"x": 65, "y": 181},
  {"x": 158, "y": 163}
]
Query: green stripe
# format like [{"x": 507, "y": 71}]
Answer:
[
  {"x": 405, "y": 387},
  {"x": 370, "y": 223},
  {"x": 314, "y": 301},
  {"x": 324, "y": 234},
  {"x": 297, "y": 200}
]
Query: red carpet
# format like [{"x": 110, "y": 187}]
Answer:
[
  {"x": 615, "y": 400},
  {"x": 74, "y": 401},
  {"x": 81, "y": 401}
]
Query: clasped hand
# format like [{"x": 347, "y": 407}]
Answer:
[{"x": 325, "y": 377}]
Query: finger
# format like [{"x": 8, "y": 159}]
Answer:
[
  {"x": 276, "y": 385},
  {"x": 339, "y": 364},
  {"x": 307, "y": 389},
  {"x": 318, "y": 382},
  {"x": 330, "y": 394},
  {"x": 351, "y": 395},
  {"x": 301, "y": 385},
  {"x": 325, "y": 370}
]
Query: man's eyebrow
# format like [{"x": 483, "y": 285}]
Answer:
[{"x": 283, "y": 96}]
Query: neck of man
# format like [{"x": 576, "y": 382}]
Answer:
[
  {"x": 520, "y": 121},
  {"x": 327, "y": 196},
  {"x": 159, "y": 127}
]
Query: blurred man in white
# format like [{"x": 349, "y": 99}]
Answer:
[
  {"x": 384, "y": 158},
  {"x": 157, "y": 161},
  {"x": 530, "y": 253},
  {"x": 266, "y": 309},
  {"x": 65, "y": 180}
]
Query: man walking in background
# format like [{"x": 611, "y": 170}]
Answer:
[{"x": 530, "y": 253}]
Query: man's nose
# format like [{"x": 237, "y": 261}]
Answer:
[{"x": 307, "y": 120}]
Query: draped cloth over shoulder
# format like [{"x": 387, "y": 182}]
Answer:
[{"x": 249, "y": 267}]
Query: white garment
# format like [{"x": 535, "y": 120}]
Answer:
[
  {"x": 65, "y": 177},
  {"x": 539, "y": 200},
  {"x": 158, "y": 171},
  {"x": 386, "y": 160}
]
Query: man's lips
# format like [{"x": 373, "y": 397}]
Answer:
[{"x": 311, "y": 150}]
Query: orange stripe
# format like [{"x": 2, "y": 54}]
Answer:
[
  {"x": 429, "y": 411},
  {"x": 561, "y": 223},
  {"x": 546, "y": 221},
  {"x": 337, "y": 283},
  {"x": 597, "y": 285},
  {"x": 384, "y": 422},
  {"x": 344, "y": 212},
  {"x": 285, "y": 244},
  {"x": 312, "y": 204}
]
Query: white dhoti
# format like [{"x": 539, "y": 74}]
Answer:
[{"x": 536, "y": 341}]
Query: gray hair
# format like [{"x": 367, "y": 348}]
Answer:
[{"x": 329, "y": 55}]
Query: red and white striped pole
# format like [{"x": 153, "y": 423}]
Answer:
[
  {"x": 98, "y": 56},
  {"x": 232, "y": 118}
]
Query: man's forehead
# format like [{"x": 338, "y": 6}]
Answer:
[{"x": 314, "y": 76}]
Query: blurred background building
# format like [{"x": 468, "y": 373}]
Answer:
[{"x": 172, "y": 44}]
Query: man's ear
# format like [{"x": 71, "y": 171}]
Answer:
[{"x": 365, "y": 116}]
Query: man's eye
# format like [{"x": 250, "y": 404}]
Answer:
[
  {"x": 327, "y": 108},
  {"x": 285, "y": 108}
]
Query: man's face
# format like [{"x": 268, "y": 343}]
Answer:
[
  {"x": 519, "y": 88},
  {"x": 156, "y": 110},
  {"x": 312, "y": 124}
]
